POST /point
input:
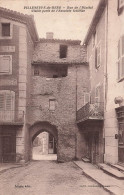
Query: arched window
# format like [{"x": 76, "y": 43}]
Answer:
[{"x": 7, "y": 105}]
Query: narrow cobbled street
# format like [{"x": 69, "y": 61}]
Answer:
[{"x": 48, "y": 178}]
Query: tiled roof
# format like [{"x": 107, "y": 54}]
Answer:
[
  {"x": 66, "y": 41},
  {"x": 59, "y": 63},
  {"x": 95, "y": 20},
  {"x": 22, "y": 18}
]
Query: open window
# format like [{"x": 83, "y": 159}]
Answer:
[
  {"x": 63, "y": 51},
  {"x": 5, "y": 29}
]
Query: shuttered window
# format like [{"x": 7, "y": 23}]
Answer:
[
  {"x": 120, "y": 62},
  {"x": 5, "y": 64},
  {"x": 97, "y": 95},
  {"x": 86, "y": 98},
  {"x": 7, "y": 100},
  {"x": 98, "y": 56}
]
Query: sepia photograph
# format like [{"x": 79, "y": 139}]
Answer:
[{"x": 62, "y": 97}]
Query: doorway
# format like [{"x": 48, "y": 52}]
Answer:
[
  {"x": 121, "y": 143},
  {"x": 8, "y": 146},
  {"x": 44, "y": 147}
]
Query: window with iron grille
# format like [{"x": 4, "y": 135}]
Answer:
[{"x": 120, "y": 62}]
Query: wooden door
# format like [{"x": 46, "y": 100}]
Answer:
[
  {"x": 8, "y": 148},
  {"x": 121, "y": 143}
]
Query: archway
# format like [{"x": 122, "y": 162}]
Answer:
[{"x": 43, "y": 141}]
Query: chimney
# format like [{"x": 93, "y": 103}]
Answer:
[{"x": 49, "y": 35}]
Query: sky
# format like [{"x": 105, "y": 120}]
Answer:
[{"x": 64, "y": 25}]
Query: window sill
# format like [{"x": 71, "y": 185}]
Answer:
[
  {"x": 6, "y": 74},
  {"x": 120, "y": 80},
  {"x": 5, "y": 37}
]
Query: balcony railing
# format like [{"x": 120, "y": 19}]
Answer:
[
  {"x": 11, "y": 116},
  {"x": 91, "y": 111}
]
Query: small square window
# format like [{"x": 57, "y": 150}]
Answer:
[
  {"x": 36, "y": 71},
  {"x": 52, "y": 104},
  {"x": 5, "y": 29},
  {"x": 63, "y": 51}
]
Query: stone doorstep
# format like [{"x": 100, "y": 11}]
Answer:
[
  {"x": 111, "y": 171},
  {"x": 86, "y": 160},
  {"x": 110, "y": 184},
  {"x": 118, "y": 167}
]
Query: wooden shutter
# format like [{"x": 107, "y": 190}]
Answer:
[
  {"x": 5, "y": 64},
  {"x": 7, "y": 105},
  {"x": 97, "y": 95},
  {"x": 86, "y": 98},
  {"x": 122, "y": 60}
]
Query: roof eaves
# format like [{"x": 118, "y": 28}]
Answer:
[
  {"x": 68, "y": 41},
  {"x": 22, "y": 18},
  {"x": 95, "y": 20}
]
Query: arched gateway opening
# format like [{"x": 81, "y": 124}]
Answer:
[{"x": 43, "y": 140}]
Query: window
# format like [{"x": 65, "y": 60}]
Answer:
[
  {"x": 7, "y": 101},
  {"x": 52, "y": 104},
  {"x": 63, "y": 51},
  {"x": 97, "y": 95},
  {"x": 120, "y": 6},
  {"x": 86, "y": 98},
  {"x": 5, "y": 29},
  {"x": 98, "y": 56},
  {"x": 5, "y": 64},
  {"x": 36, "y": 71},
  {"x": 121, "y": 58}
]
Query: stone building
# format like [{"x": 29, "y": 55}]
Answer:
[
  {"x": 101, "y": 121},
  {"x": 90, "y": 115},
  {"x": 39, "y": 88},
  {"x": 17, "y": 37},
  {"x": 114, "y": 112}
]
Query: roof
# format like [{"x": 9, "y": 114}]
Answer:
[
  {"x": 22, "y": 18},
  {"x": 58, "y": 63},
  {"x": 62, "y": 41},
  {"x": 95, "y": 20}
]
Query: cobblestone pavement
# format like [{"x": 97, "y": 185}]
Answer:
[{"x": 48, "y": 178}]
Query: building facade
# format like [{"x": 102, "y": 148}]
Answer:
[
  {"x": 105, "y": 55},
  {"x": 114, "y": 112},
  {"x": 38, "y": 88},
  {"x": 73, "y": 92},
  {"x": 17, "y": 37}
]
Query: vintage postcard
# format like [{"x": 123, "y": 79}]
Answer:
[{"x": 61, "y": 97}]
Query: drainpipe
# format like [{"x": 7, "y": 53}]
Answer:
[
  {"x": 106, "y": 71},
  {"x": 76, "y": 117}
]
